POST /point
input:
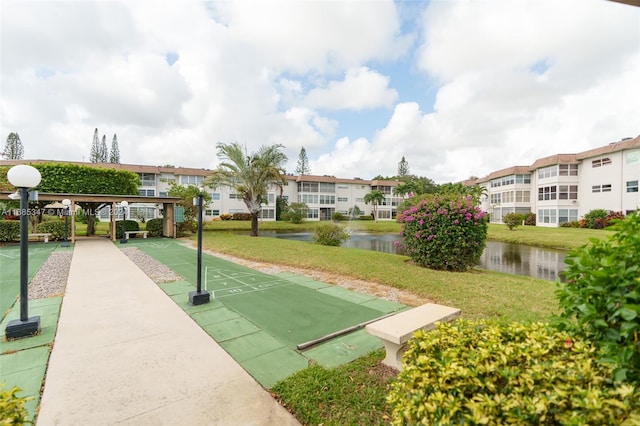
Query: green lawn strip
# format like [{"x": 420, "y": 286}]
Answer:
[
  {"x": 480, "y": 294},
  {"x": 352, "y": 394},
  {"x": 555, "y": 238}
]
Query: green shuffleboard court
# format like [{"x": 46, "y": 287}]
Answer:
[
  {"x": 260, "y": 319},
  {"x": 292, "y": 311}
]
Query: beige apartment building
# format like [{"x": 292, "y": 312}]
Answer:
[
  {"x": 564, "y": 187},
  {"x": 324, "y": 195}
]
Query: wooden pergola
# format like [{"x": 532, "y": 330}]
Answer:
[{"x": 168, "y": 203}]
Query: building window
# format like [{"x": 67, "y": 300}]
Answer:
[
  {"x": 313, "y": 214},
  {"x": 632, "y": 186},
  {"x": 567, "y": 215},
  {"x": 495, "y": 198},
  {"x": 546, "y": 215},
  {"x": 548, "y": 172},
  {"x": 191, "y": 180},
  {"x": 568, "y": 192},
  {"x": 147, "y": 179},
  {"x": 327, "y": 187},
  {"x": 327, "y": 199},
  {"x": 507, "y": 197},
  {"x": 633, "y": 157},
  {"x": 384, "y": 214},
  {"x": 343, "y": 199},
  {"x": 568, "y": 170},
  {"x": 496, "y": 183},
  {"x": 523, "y": 178},
  {"x": 215, "y": 196},
  {"x": 235, "y": 196},
  {"x": 211, "y": 212},
  {"x": 606, "y": 188},
  {"x": 267, "y": 214},
  {"x": 547, "y": 193},
  {"x": 271, "y": 198},
  {"x": 147, "y": 192},
  {"x": 162, "y": 194},
  {"x": 307, "y": 186},
  {"x": 601, "y": 162},
  {"x": 343, "y": 187},
  {"x": 308, "y": 198},
  {"x": 523, "y": 196}
]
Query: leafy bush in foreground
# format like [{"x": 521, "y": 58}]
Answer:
[
  {"x": 513, "y": 220},
  {"x": 494, "y": 373},
  {"x": 12, "y": 411},
  {"x": 600, "y": 299},
  {"x": 9, "y": 230}
]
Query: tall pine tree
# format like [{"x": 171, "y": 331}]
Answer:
[
  {"x": 303, "y": 163},
  {"x": 104, "y": 153},
  {"x": 403, "y": 168},
  {"x": 13, "y": 149},
  {"x": 94, "y": 154},
  {"x": 114, "y": 154}
]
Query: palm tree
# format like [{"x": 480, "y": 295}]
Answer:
[
  {"x": 249, "y": 175},
  {"x": 375, "y": 197}
]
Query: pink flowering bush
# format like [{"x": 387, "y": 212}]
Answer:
[{"x": 444, "y": 232}]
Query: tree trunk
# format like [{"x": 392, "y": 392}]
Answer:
[
  {"x": 91, "y": 225},
  {"x": 254, "y": 224}
]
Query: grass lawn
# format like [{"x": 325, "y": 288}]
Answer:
[{"x": 355, "y": 393}]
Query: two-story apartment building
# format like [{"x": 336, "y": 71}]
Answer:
[{"x": 564, "y": 187}]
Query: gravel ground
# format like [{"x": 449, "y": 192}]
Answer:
[{"x": 51, "y": 279}]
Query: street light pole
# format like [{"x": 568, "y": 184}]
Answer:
[
  {"x": 66, "y": 203},
  {"x": 23, "y": 177},
  {"x": 199, "y": 297},
  {"x": 124, "y": 204}
]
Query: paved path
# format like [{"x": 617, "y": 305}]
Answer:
[{"x": 125, "y": 353}]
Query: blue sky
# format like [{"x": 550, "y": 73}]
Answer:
[{"x": 457, "y": 87}]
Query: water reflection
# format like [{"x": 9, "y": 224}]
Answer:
[{"x": 510, "y": 258}]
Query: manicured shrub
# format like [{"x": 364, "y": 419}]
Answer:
[
  {"x": 241, "y": 216},
  {"x": 497, "y": 373},
  {"x": 338, "y": 217},
  {"x": 130, "y": 225},
  {"x": 154, "y": 226},
  {"x": 596, "y": 219},
  {"x": 530, "y": 219},
  {"x": 600, "y": 298},
  {"x": 9, "y": 230},
  {"x": 512, "y": 220},
  {"x": 572, "y": 224},
  {"x": 295, "y": 213},
  {"x": 330, "y": 234},
  {"x": 12, "y": 411},
  {"x": 444, "y": 232},
  {"x": 53, "y": 227},
  {"x": 226, "y": 216},
  {"x": 365, "y": 217}
]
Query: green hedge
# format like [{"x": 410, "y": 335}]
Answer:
[
  {"x": 53, "y": 227},
  {"x": 130, "y": 225},
  {"x": 495, "y": 373},
  {"x": 154, "y": 226},
  {"x": 9, "y": 230}
]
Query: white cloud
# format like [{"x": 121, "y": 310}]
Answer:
[{"x": 361, "y": 89}]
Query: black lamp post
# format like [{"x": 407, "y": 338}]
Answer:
[
  {"x": 199, "y": 297},
  {"x": 66, "y": 203},
  {"x": 23, "y": 177},
  {"x": 124, "y": 204}
]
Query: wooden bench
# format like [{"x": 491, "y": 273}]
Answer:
[
  {"x": 397, "y": 330},
  {"x": 45, "y": 236},
  {"x": 128, "y": 233}
]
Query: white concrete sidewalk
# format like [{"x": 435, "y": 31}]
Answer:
[{"x": 125, "y": 353}]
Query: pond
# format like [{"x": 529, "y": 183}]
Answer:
[{"x": 510, "y": 258}]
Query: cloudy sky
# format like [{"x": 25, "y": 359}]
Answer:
[{"x": 457, "y": 87}]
